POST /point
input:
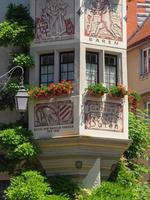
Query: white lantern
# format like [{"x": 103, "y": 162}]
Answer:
[{"x": 21, "y": 99}]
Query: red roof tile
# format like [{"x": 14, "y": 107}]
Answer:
[{"x": 141, "y": 34}]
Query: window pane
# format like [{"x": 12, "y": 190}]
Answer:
[
  {"x": 50, "y": 69},
  {"x": 94, "y": 67},
  {"x": 67, "y": 66},
  {"x": 91, "y": 67},
  {"x": 70, "y": 67},
  {"x": 44, "y": 70},
  {"x": 145, "y": 61},
  {"x": 67, "y": 57},
  {"x": 112, "y": 70},
  {"x": 47, "y": 68},
  {"x": 50, "y": 78},
  {"x": 64, "y": 68},
  {"x": 43, "y": 78},
  {"x": 64, "y": 76},
  {"x": 70, "y": 76},
  {"x": 110, "y": 73}
]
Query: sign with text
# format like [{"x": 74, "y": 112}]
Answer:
[{"x": 103, "y": 116}]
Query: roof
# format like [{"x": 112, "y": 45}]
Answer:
[{"x": 141, "y": 34}]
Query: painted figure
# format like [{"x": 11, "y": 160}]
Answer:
[
  {"x": 55, "y": 20},
  {"x": 101, "y": 20}
]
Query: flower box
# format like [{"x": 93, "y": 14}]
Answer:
[
  {"x": 96, "y": 90},
  {"x": 133, "y": 99},
  {"x": 52, "y": 90},
  {"x": 117, "y": 92}
]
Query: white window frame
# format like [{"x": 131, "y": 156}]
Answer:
[{"x": 145, "y": 69}]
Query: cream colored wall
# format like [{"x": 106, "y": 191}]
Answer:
[{"x": 136, "y": 82}]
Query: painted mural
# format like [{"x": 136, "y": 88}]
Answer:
[
  {"x": 103, "y": 19},
  {"x": 103, "y": 115},
  {"x": 54, "y": 20},
  {"x": 53, "y": 114}
]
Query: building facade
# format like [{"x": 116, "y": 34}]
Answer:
[
  {"x": 139, "y": 62},
  {"x": 84, "y": 42}
]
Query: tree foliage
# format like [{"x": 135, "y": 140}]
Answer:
[
  {"x": 19, "y": 16},
  {"x": 139, "y": 133},
  {"x": 22, "y": 60},
  {"x": 113, "y": 191},
  {"x": 65, "y": 186},
  {"x": 18, "y": 147},
  {"x": 30, "y": 185}
]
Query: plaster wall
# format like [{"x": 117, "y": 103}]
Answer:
[{"x": 135, "y": 81}]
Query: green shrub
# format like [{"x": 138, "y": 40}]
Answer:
[
  {"x": 18, "y": 147},
  {"x": 13, "y": 34},
  {"x": 29, "y": 185},
  {"x": 139, "y": 133},
  {"x": 20, "y": 15},
  {"x": 113, "y": 191},
  {"x": 55, "y": 197},
  {"x": 144, "y": 192},
  {"x": 22, "y": 60},
  {"x": 64, "y": 185}
]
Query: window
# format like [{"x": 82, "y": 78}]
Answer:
[
  {"x": 148, "y": 109},
  {"x": 145, "y": 61},
  {"x": 67, "y": 66},
  {"x": 46, "y": 69},
  {"x": 110, "y": 72},
  {"x": 92, "y": 67}
]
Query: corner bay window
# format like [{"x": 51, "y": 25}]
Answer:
[
  {"x": 92, "y": 67},
  {"x": 46, "y": 69},
  {"x": 67, "y": 66}
]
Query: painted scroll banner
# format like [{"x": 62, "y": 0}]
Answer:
[
  {"x": 54, "y": 20},
  {"x": 103, "y": 19},
  {"x": 103, "y": 116},
  {"x": 53, "y": 114}
]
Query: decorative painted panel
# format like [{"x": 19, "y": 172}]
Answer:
[
  {"x": 103, "y": 20},
  {"x": 103, "y": 116},
  {"x": 54, "y": 20},
  {"x": 53, "y": 114}
]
